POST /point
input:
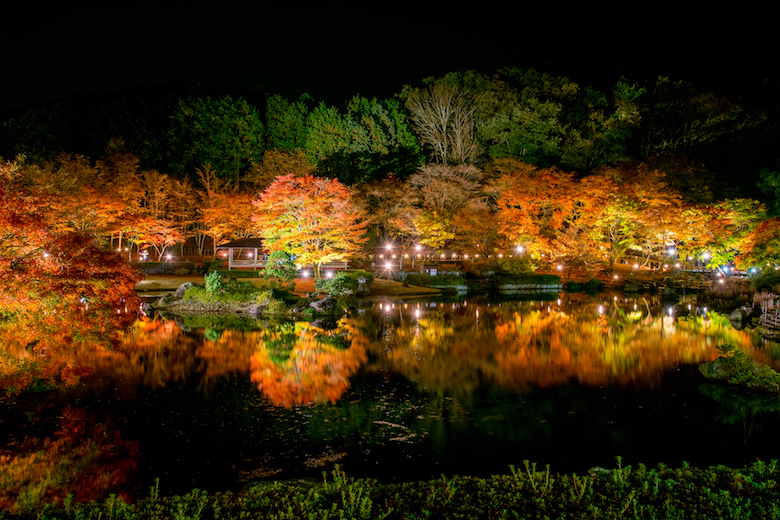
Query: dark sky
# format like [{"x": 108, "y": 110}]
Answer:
[{"x": 49, "y": 51}]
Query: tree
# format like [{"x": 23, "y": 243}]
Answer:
[
  {"x": 286, "y": 123},
  {"x": 224, "y": 132},
  {"x": 762, "y": 246},
  {"x": 370, "y": 139},
  {"x": 312, "y": 218},
  {"x": 391, "y": 203},
  {"x": 770, "y": 185},
  {"x": 443, "y": 117},
  {"x": 533, "y": 210},
  {"x": 58, "y": 290},
  {"x": 279, "y": 162}
]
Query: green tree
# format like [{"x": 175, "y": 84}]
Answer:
[
  {"x": 286, "y": 122},
  {"x": 770, "y": 185},
  {"x": 223, "y": 132}
]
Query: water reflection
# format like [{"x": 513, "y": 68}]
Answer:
[
  {"x": 303, "y": 364},
  {"x": 617, "y": 341},
  {"x": 400, "y": 389}
]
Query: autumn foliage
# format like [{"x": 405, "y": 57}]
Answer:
[
  {"x": 85, "y": 458},
  {"x": 310, "y": 217},
  {"x": 59, "y": 291},
  {"x": 311, "y": 367}
]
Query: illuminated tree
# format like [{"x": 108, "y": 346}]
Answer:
[
  {"x": 312, "y": 218},
  {"x": 58, "y": 290},
  {"x": 392, "y": 212},
  {"x": 762, "y": 246},
  {"x": 533, "y": 210}
]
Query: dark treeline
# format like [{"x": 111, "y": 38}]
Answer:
[{"x": 710, "y": 147}]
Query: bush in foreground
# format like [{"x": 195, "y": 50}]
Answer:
[{"x": 527, "y": 492}]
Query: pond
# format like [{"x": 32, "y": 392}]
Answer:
[{"x": 398, "y": 390}]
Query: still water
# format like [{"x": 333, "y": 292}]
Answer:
[{"x": 402, "y": 390}]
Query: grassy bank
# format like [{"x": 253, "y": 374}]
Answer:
[
  {"x": 527, "y": 492},
  {"x": 378, "y": 287}
]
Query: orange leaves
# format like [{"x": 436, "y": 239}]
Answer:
[
  {"x": 310, "y": 217},
  {"x": 85, "y": 458},
  {"x": 315, "y": 371}
]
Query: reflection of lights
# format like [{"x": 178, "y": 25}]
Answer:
[
  {"x": 601, "y": 309},
  {"x": 671, "y": 311}
]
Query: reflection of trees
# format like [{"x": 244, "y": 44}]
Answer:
[
  {"x": 738, "y": 405},
  {"x": 453, "y": 348},
  {"x": 157, "y": 352},
  {"x": 308, "y": 364},
  {"x": 85, "y": 458}
]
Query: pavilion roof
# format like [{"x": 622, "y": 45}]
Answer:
[{"x": 243, "y": 243}]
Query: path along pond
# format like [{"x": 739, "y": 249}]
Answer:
[{"x": 406, "y": 390}]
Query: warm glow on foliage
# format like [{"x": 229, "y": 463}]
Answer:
[
  {"x": 310, "y": 217},
  {"x": 313, "y": 369}
]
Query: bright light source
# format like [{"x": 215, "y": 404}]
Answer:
[{"x": 388, "y": 265}]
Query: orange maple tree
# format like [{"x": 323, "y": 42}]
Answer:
[
  {"x": 58, "y": 291},
  {"x": 312, "y": 218}
]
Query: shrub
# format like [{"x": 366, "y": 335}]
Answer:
[
  {"x": 766, "y": 280},
  {"x": 341, "y": 284},
  {"x": 281, "y": 266},
  {"x": 214, "y": 282},
  {"x": 359, "y": 273},
  {"x": 513, "y": 265}
]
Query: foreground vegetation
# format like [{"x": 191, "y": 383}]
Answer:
[{"x": 528, "y": 492}]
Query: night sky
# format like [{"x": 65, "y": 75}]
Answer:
[{"x": 49, "y": 51}]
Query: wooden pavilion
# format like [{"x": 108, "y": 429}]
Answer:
[{"x": 244, "y": 253}]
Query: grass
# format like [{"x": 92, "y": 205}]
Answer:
[
  {"x": 302, "y": 285},
  {"x": 524, "y": 492}
]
